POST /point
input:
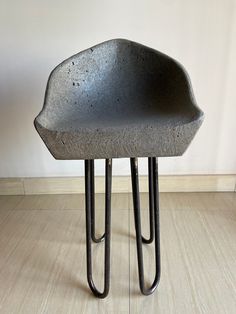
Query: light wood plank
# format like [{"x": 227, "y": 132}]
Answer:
[
  {"x": 70, "y": 201},
  {"x": 169, "y": 297},
  {"x": 10, "y": 201},
  {"x": 11, "y": 186},
  {"x": 43, "y": 264},
  {"x": 53, "y": 185},
  {"x": 198, "y": 183},
  {"x": 192, "y": 183},
  {"x": 190, "y": 201},
  {"x": 186, "y": 183},
  {"x": 198, "y": 249},
  {"x": 121, "y": 184},
  {"x": 72, "y": 185}
]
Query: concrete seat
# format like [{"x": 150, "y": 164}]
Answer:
[{"x": 118, "y": 99}]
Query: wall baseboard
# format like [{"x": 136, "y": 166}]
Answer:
[{"x": 120, "y": 184}]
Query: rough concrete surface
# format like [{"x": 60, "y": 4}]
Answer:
[{"x": 118, "y": 99}]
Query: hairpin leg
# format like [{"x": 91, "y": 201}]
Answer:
[
  {"x": 89, "y": 191},
  {"x": 151, "y": 202},
  {"x": 92, "y": 200},
  {"x": 153, "y": 183}
]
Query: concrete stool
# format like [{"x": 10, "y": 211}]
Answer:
[{"x": 119, "y": 99}]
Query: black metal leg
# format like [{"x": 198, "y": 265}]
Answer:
[
  {"x": 89, "y": 192},
  {"x": 153, "y": 168},
  {"x": 151, "y": 202},
  {"x": 92, "y": 199}
]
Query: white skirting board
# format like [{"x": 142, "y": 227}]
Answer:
[{"x": 120, "y": 184}]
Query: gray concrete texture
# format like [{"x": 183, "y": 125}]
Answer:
[{"x": 118, "y": 99}]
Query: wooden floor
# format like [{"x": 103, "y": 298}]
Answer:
[{"x": 43, "y": 262}]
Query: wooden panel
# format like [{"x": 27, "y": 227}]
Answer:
[
  {"x": 12, "y": 186},
  {"x": 198, "y": 183},
  {"x": 198, "y": 253},
  {"x": 67, "y": 202},
  {"x": 53, "y": 185},
  {"x": 10, "y": 201},
  {"x": 43, "y": 262},
  {"x": 70, "y": 185}
]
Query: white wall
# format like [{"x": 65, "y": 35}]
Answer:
[{"x": 36, "y": 35}]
